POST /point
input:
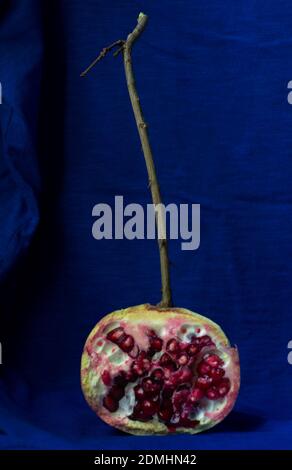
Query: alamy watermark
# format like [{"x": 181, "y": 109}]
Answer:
[
  {"x": 132, "y": 222},
  {"x": 289, "y": 357}
]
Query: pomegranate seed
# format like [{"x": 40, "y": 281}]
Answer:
[
  {"x": 137, "y": 369},
  {"x": 166, "y": 411},
  {"x": 144, "y": 361},
  {"x": 195, "y": 340},
  {"x": 148, "y": 407},
  {"x": 115, "y": 335},
  {"x": 212, "y": 393},
  {"x": 180, "y": 397},
  {"x": 150, "y": 387},
  {"x": 183, "y": 359},
  {"x": 204, "y": 382},
  {"x": 167, "y": 362},
  {"x": 216, "y": 373},
  {"x": 139, "y": 392},
  {"x": 168, "y": 390},
  {"x": 196, "y": 394},
  {"x": 213, "y": 360},
  {"x": 186, "y": 375},
  {"x": 146, "y": 365},
  {"x": 156, "y": 344},
  {"x": 182, "y": 376},
  {"x": 127, "y": 343},
  {"x": 141, "y": 365},
  {"x": 157, "y": 375},
  {"x": 110, "y": 404},
  {"x": 165, "y": 359},
  {"x": 142, "y": 355},
  {"x": 117, "y": 392},
  {"x": 203, "y": 368},
  {"x": 167, "y": 373},
  {"x": 172, "y": 346},
  {"x": 205, "y": 341},
  {"x": 193, "y": 349},
  {"x": 106, "y": 378},
  {"x": 224, "y": 387},
  {"x": 165, "y": 414},
  {"x": 138, "y": 414},
  {"x": 147, "y": 384}
]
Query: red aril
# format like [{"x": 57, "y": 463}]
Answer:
[
  {"x": 172, "y": 346},
  {"x": 204, "y": 382},
  {"x": 196, "y": 394},
  {"x": 165, "y": 411},
  {"x": 212, "y": 393},
  {"x": 157, "y": 374},
  {"x": 182, "y": 359},
  {"x": 216, "y": 374}
]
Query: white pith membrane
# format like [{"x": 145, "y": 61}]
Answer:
[{"x": 105, "y": 360}]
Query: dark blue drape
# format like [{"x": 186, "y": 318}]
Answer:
[{"x": 213, "y": 83}]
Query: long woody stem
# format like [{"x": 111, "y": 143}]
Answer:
[
  {"x": 166, "y": 300},
  {"x": 126, "y": 48}
]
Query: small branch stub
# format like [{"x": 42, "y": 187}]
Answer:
[
  {"x": 103, "y": 53},
  {"x": 126, "y": 47}
]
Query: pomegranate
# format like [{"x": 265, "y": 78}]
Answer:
[
  {"x": 157, "y": 369},
  {"x": 184, "y": 377}
]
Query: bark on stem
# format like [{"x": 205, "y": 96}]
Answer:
[
  {"x": 126, "y": 48},
  {"x": 166, "y": 300}
]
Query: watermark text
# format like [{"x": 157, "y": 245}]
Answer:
[{"x": 132, "y": 222}]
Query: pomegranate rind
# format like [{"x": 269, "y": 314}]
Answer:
[{"x": 94, "y": 362}]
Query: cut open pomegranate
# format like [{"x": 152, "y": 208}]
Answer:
[
  {"x": 156, "y": 370},
  {"x": 147, "y": 370}
]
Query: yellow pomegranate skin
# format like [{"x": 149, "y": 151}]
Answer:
[{"x": 103, "y": 361}]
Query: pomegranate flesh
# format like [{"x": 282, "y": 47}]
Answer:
[{"x": 147, "y": 370}]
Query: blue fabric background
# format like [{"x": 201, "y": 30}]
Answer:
[{"x": 213, "y": 83}]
